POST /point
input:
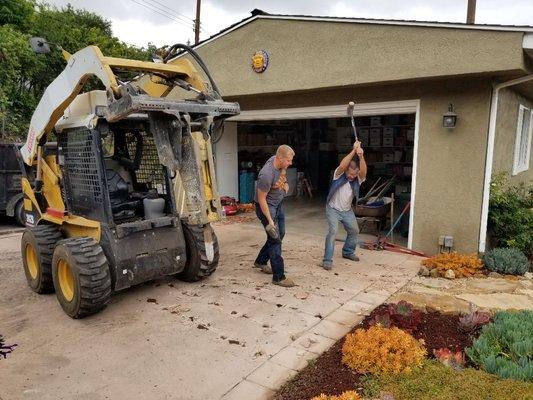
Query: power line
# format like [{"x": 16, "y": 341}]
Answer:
[
  {"x": 164, "y": 15},
  {"x": 172, "y": 14},
  {"x": 171, "y": 9},
  {"x": 178, "y": 15}
]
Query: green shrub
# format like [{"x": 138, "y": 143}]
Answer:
[
  {"x": 511, "y": 215},
  {"x": 434, "y": 381},
  {"x": 506, "y": 261},
  {"x": 505, "y": 347}
]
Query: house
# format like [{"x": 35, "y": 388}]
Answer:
[{"x": 293, "y": 76}]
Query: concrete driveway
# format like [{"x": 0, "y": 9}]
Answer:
[{"x": 232, "y": 336}]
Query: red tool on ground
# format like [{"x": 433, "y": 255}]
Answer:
[
  {"x": 229, "y": 204},
  {"x": 383, "y": 244}
]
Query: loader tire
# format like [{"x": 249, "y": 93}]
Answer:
[
  {"x": 20, "y": 214},
  {"x": 198, "y": 266},
  {"x": 82, "y": 278},
  {"x": 37, "y": 247}
]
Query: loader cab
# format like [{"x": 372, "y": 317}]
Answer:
[
  {"x": 137, "y": 183},
  {"x": 112, "y": 174}
]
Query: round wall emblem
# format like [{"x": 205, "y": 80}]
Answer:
[{"x": 260, "y": 61}]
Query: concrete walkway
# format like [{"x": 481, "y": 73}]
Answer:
[{"x": 232, "y": 336}]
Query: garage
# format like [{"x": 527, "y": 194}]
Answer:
[
  {"x": 321, "y": 137},
  {"x": 430, "y": 84}
]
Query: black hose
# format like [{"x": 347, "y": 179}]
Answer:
[
  {"x": 218, "y": 126},
  {"x": 197, "y": 58}
]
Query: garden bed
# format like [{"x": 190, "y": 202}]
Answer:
[{"x": 328, "y": 375}]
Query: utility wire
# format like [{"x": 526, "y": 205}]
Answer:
[
  {"x": 164, "y": 15},
  {"x": 166, "y": 12},
  {"x": 171, "y": 9},
  {"x": 179, "y": 15}
]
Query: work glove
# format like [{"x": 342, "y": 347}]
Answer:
[{"x": 272, "y": 231}]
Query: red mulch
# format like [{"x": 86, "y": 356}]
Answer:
[{"x": 329, "y": 376}]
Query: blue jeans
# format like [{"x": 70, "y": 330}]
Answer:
[
  {"x": 350, "y": 225},
  {"x": 271, "y": 250}
]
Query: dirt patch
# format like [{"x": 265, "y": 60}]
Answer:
[
  {"x": 440, "y": 331},
  {"x": 239, "y": 219},
  {"x": 328, "y": 375}
]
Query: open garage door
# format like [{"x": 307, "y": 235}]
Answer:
[{"x": 321, "y": 136}]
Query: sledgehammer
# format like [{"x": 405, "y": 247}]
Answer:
[{"x": 351, "y": 106}]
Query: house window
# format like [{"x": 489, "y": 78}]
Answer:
[{"x": 522, "y": 149}]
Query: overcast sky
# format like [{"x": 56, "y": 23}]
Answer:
[{"x": 166, "y": 22}]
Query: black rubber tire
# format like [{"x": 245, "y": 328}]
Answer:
[
  {"x": 19, "y": 213},
  {"x": 92, "y": 276},
  {"x": 43, "y": 239},
  {"x": 198, "y": 267}
]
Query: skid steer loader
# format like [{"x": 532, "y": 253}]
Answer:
[{"x": 128, "y": 193}]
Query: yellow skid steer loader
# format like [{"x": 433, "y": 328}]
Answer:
[{"x": 128, "y": 192}]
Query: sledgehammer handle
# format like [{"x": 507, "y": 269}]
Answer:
[{"x": 351, "y": 106}]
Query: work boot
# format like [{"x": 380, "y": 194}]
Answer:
[
  {"x": 265, "y": 268},
  {"x": 352, "y": 257},
  {"x": 285, "y": 283}
]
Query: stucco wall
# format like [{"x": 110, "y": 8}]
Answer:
[
  {"x": 505, "y": 138},
  {"x": 450, "y": 162},
  {"x": 309, "y": 54}
]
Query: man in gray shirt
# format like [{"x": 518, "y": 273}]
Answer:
[{"x": 272, "y": 187}]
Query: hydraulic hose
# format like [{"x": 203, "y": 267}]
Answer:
[{"x": 197, "y": 58}]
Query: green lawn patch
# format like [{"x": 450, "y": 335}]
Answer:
[{"x": 434, "y": 381}]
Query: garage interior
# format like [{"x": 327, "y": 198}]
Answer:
[{"x": 320, "y": 144}]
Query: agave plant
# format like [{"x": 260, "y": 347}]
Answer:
[{"x": 450, "y": 359}]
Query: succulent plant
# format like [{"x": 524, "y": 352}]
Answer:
[
  {"x": 506, "y": 261},
  {"x": 505, "y": 346},
  {"x": 382, "y": 319},
  {"x": 450, "y": 359},
  {"x": 401, "y": 315},
  {"x": 379, "y": 350},
  {"x": 473, "y": 321}
]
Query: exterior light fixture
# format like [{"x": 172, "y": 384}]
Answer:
[{"x": 449, "y": 119}]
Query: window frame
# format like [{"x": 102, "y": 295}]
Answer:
[{"x": 517, "y": 167}]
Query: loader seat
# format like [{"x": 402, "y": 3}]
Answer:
[{"x": 124, "y": 202}]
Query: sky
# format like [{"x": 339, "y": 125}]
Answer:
[{"x": 161, "y": 22}]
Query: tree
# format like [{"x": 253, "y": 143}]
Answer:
[
  {"x": 16, "y": 12},
  {"x": 19, "y": 69},
  {"x": 23, "y": 75}
]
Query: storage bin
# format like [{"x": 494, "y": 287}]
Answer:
[
  {"x": 388, "y": 141},
  {"x": 375, "y": 136},
  {"x": 246, "y": 187},
  {"x": 363, "y": 134},
  {"x": 388, "y": 157},
  {"x": 375, "y": 121}
]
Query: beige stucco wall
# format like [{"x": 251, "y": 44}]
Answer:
[
  {"x": 450, "y": 162},
  {"x": 505, "y": 138},
  {"x": 310, "y": 54}
]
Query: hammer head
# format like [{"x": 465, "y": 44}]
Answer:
[{"x": 351, "y": 106}]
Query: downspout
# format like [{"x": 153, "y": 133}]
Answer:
[{"x": 490, "y": 153}]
